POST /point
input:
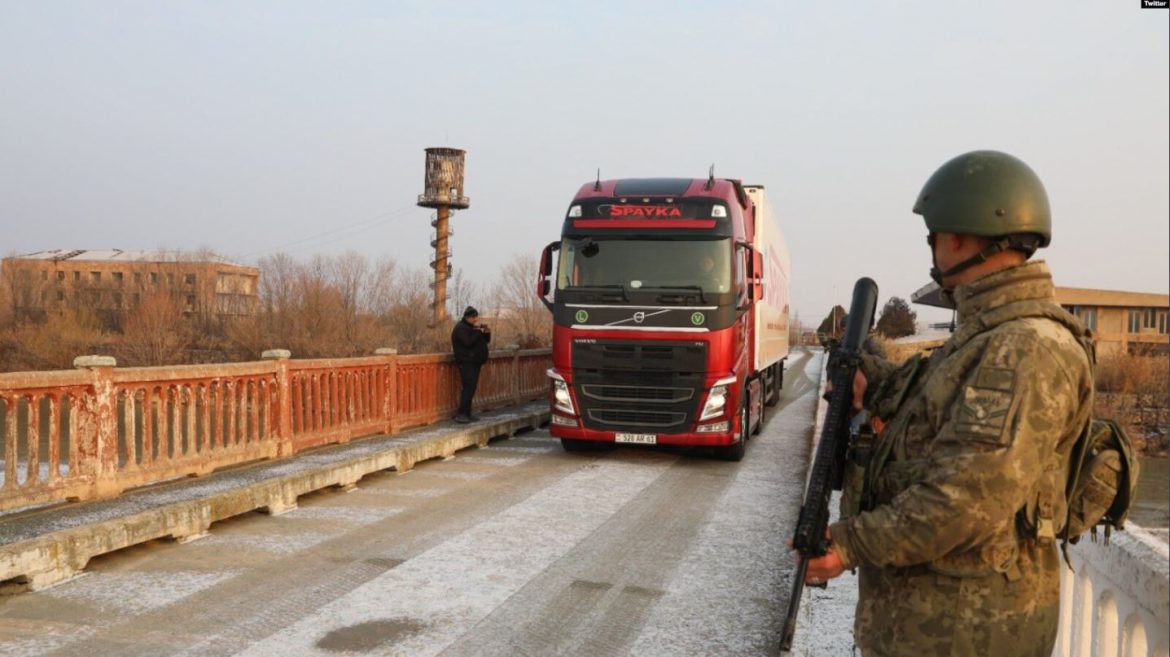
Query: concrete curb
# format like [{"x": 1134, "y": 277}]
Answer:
[
  {"x": 38, "y": 562},
  {"x": 825, "y": 623}
]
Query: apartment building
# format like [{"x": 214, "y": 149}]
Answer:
[
  {"x": 1121, "y": 321},
  {"x": 1133, "y": 322},
  {"x": 114, "y": 281}
]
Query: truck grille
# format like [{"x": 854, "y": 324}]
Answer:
[
  {"x": 628, "y": 385},
  {"x": 642, "y": 419},
  {"x": 650, "y": 394}
]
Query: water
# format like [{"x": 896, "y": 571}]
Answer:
[{"x": 1152, "y": 506}]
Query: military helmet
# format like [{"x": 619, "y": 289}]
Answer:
[{"x": 986, "y": 193}]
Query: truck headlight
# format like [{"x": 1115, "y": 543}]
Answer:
[
  {"x": 562, "y": 398},
  {"x": 716, "y": 400}
]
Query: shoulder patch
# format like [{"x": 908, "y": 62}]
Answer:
[
  {"x": 995, "y": 378},
  {"x": 983, "y": 414}
]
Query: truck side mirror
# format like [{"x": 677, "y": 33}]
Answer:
[
  {"x": 754, "y": 275},
  {"x": 543, "y": 284}
]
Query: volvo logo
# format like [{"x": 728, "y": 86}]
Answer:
[{"x": 639, "y": 317}]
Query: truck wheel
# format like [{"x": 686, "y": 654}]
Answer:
[
  {"x": 760, "y": 424},
  {"x": 775, "y": 383},
  {"x": 735, "y": 452}
]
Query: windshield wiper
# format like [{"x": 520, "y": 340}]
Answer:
[{"x": 697, "y": 288}]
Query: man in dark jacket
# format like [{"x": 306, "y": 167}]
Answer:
[{"x": 469, "y": 342}]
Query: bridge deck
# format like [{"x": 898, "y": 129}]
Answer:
[{"x": 45, "y": 546}]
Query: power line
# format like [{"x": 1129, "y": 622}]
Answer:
[{"x": 356, "y": 227}]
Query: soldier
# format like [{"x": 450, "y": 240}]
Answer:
[{"x": 963, "y": 494}]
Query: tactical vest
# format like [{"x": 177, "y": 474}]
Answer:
[
  {"x": 1099, "y": 476},
  {"x": 1092, "y": 481}
]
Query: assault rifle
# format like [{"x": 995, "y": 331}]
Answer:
[{"x": 829, "y": 463}]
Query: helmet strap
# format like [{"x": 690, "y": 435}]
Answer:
[{"x": 1001, "y": 244}]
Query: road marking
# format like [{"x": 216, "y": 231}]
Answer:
[
  {"x": 351, "y": 514},
  {"x": 134, "y": 593},
  {"x": 442, "y": 593},
  {"x": 483, "y": 459},
  {"x": 545, "y": 449},
  {"x": 462, "y": 475},
  {"x": 283, "y": 543}
]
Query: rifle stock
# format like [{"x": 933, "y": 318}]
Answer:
[{"x": 828, "y": 464}]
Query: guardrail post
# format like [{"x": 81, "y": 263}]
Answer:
[
  {"x": 284, "y": 437},
  {"x": 390, "y": 390},
  {"x": 97, "y": 424},
  {"x": 515, "y": 384}
]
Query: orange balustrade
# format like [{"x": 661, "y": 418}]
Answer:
[{"x": 97, "y": 431}]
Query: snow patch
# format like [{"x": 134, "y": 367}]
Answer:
[
  {"x": 278, "y": 544},
  {"x": 138, "y": 592},
  {"x": 456, "y": 584},
  {"x": 357, "y": 515}
]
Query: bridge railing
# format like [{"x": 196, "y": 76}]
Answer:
[
  {"x": 100, "y": 430},
  {"x": 1115, "y": 598}
]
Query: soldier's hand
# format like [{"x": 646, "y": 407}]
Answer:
[
  {"x": 823, "y": 569},
  {"x": 860, "y": 383}
]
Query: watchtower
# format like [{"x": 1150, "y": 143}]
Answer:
[{"x": 444, "y": 192}]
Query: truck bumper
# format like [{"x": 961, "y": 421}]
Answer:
[{"x": 692, "y": 439}]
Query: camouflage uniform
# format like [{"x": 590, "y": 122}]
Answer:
[{"x": 955, "y": 539}]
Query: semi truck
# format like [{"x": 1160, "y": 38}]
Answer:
[{"x": 670, "y": 310}]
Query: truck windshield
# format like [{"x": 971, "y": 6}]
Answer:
[{"x": 645, "y": 263}]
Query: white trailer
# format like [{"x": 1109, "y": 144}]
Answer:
[{"x": 771, "y": 309}]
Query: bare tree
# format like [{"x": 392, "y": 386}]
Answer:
[
  {"x": 411, "y": 315},
  {"x": 53, "y": 343},
  {"x": 156, "y": 332},
  {"x": 463, "y": 293},
  {"x": 277, "y": 281},
  {"x": 379, "y": 294},
  {"x": 517, "y": 305}
]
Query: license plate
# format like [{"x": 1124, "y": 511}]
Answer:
[{"x": 639, "y": 438}]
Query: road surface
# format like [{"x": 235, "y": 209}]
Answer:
[{"x": 515, "y": 549}]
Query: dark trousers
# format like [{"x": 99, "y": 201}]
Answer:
[{"x": 469, "y": 377}]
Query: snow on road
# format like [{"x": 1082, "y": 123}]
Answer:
[{"x": 437, "y": 596}]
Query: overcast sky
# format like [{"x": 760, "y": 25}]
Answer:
[{"x": 257, "y": 127}]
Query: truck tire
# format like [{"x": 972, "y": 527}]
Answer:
[
  {"x": 775, "y": 383},
  {"x": 760, "y": 424},
  {"x": 735, "y": 452}
]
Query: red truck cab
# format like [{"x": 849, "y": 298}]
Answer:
[{"x": 670, "y": 304}]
